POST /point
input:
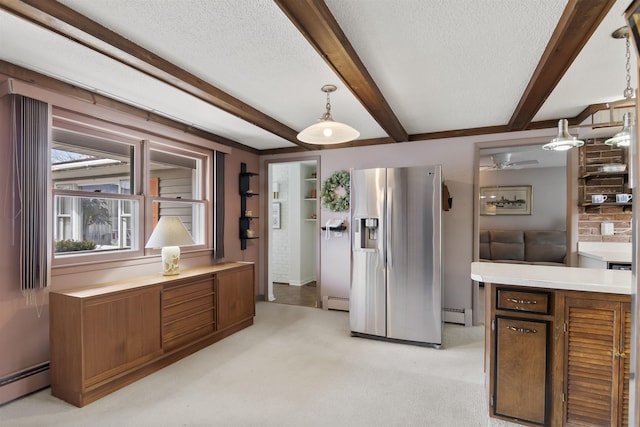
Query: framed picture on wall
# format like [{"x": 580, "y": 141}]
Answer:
[
  {"x": 275, "y": 215},
  {"x": 505, "y": 200}
]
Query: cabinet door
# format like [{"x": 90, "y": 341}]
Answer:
[
  {"x": 120, "y": 331},
  {"x": 625, "y": 351},
  {"x": 236, "y": 297},
  {"x": 520, "y": 384},
  {"x": 592, "y": 362}
]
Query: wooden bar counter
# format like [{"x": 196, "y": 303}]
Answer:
[{"x": 557, "y": 344}]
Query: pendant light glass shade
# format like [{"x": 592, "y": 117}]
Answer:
[
  {"x": 622, "y": 138},
  {"x": 328, "y": 131},
  {"x": 564, "y": 141}
]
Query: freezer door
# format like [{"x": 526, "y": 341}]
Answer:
[
  {"x": 367, "y": 301},
  {"x": 414, "y": 293}
]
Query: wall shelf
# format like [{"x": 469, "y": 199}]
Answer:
[
  {"x": 605, "y": 204},
  {"x": 244, "y": 186}
]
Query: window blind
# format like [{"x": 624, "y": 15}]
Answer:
[
  {"x": 31, "y": 170},
  {"x": 219, "y": 205}
]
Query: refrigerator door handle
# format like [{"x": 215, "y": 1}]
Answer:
[{"x": 388, "y": 240}]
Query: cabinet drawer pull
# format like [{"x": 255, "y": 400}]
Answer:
[
  {"x": 522, "y": 330},
  {"x": 522, "y": 301}
]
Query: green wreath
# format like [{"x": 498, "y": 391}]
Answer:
[{"x": 331, "y": 199}]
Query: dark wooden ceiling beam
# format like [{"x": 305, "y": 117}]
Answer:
[
  {"x": 57, "y": 86},
  {"x": 320, "y": 28},
  {"x": 57, "y": 17},
  {"x": 577, "y": 23}
]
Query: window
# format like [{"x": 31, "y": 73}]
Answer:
[
  {"x": 176, "y": 182},
  {"x": 108, "y": 198}
]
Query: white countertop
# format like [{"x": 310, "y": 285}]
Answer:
[
  {"x": 551, "y": 277},
  {"x": 607, "y": 252}
]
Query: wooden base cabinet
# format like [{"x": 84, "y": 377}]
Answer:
[
  {"x": 521, "y": 325},
  {"x": 558, "y": 358},
  {"x": 107, "y": 336}
]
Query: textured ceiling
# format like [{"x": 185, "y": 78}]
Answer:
[{"x": 441, "y": 65}]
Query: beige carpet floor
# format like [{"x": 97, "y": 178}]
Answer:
[{"x": 296, "y": 366}]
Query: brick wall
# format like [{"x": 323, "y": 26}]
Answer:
[{"x": 593, "y": 155}]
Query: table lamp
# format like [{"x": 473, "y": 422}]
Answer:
[{"x": 169, "y": 235}]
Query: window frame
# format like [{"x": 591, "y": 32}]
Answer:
[
  {"x": 140, "y": 191},
  {"x": 206, "y": 169}
]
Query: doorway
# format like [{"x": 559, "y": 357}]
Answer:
[
  {"x": 293, "y": 233},
  {"x": 504, "y": 165}
]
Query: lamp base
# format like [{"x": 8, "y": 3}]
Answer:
[{"x": 170, "y": 260}]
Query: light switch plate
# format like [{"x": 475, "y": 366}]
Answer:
[{"x": 606, "y": 229}]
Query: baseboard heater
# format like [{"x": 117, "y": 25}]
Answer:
[
  {"x": 460, "y": 316},
  {"x": 24, "y": 374},
  {"x": 335, "y": 303}
]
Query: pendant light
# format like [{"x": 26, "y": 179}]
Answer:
[
  {"x": 564, "y": 141},
  {"x": 623, "y": 138},
  {"x": 328, "y": 131}
]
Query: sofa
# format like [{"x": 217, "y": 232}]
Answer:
[{"x": 539, "y": 247}]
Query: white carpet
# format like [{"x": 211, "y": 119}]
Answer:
[{"x": 295, "y": 366}]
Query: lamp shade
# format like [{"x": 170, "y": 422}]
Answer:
[
  {"x": 564, "y": 141},
  {"x": 622, "y": 138},
  {"x": 170, "y": 231},
  {"x": 328, "y": 132}
]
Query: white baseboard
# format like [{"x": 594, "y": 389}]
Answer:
[
  {"x": 462, "y": 316},
  {"x": 335, "y": 303}
]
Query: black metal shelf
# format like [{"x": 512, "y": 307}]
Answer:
[{"x": 244, "y": 186}]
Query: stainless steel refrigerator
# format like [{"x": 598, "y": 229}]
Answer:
[{"x": 396, "y": 272}]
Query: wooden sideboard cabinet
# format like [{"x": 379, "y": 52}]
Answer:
[
  {"x": 556, "y": 357},
  {"x": 106, "y": 336}
]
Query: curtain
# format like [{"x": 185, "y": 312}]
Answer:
[
  {"x": 219, "y": 205},
  {"x": 30, "y": 161}
]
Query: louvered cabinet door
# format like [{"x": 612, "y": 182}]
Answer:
[
  {"x": 625, "y": 351},
  {"x": 521, "y": 369},
  {"x": 593, "y": 367}
]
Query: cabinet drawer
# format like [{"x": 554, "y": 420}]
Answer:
[
  {"x": 172, "y": 295},
  {"x": 184, "y": 309},
  {"x": 203, "y": 320},
  {"x": 524, "y": 301}
]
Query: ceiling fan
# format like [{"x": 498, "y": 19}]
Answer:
[{"x": 503, "y": 161}]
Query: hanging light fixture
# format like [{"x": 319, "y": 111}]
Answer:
[
  {"x": 623, "y": 138},
  {"x": 564, "y": 141},
  {"x": 328, "y": 131}
]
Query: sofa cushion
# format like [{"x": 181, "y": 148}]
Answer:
[
  {"x": 485, "y": 247},
  {"x": 545, "y": 246},
  {"x": 507, "y": 244}
]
